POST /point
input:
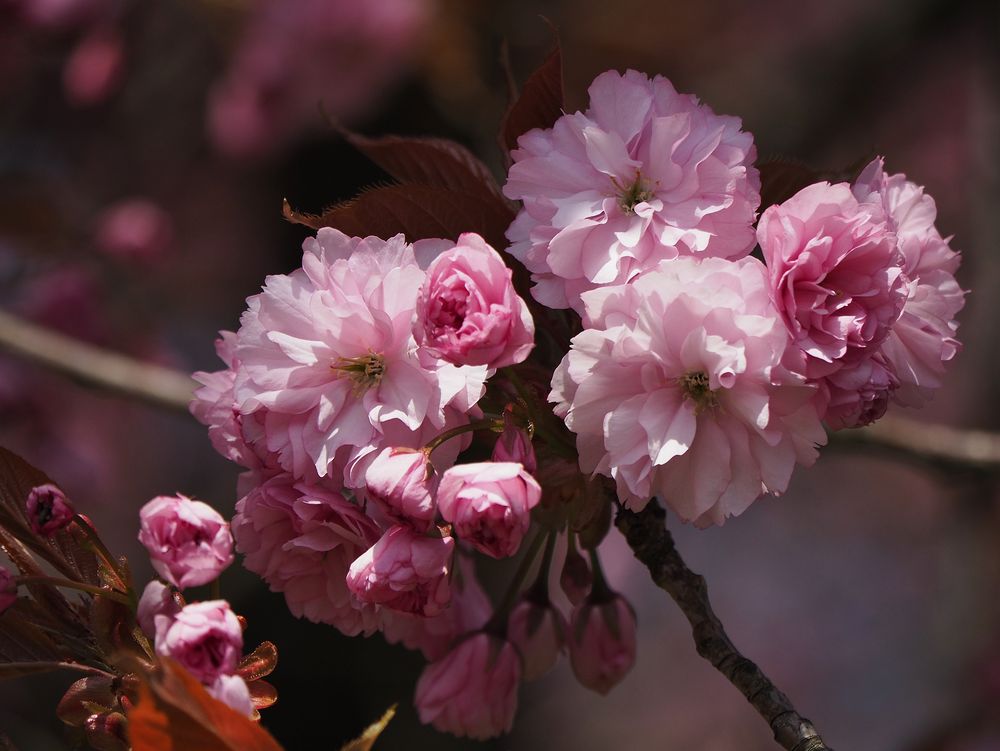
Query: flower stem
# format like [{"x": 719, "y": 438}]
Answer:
[
  {"x": 599, "y": 590},
  {"x": 540, "y": 589},
  {"x": 490, "y": 423},
  {"x": 498, "y": 623},
  {"x": 80, "y": 586}
]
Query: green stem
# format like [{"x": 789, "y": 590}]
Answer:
[
  {"x": 498, "y": 623},
  {"x": 540, "y": 415},
  {"x": 599, "y": 590},
  {"x": 540, "y": 589},
  {"x": 70, "y": 584},
  {"x": 489, "y": 423},
  {"x": 215, "y": 590}
]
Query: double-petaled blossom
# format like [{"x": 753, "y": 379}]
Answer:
[
  {"x": 301, "y": 539},
  {"x": 328, "y": 360},
  {"x": 204, "y": 637},
  {"x": 678, "y": 390},
  {"x": 232, "y": 691},
  {"x": 489, "y": 504},
  {"x": 645, "y": 174},
  {"x": 468, "y": 312},
  {"x": 8, "y": 589},
  {"x": 189, "y": 542},
  {"x": 602, "y": 642},
  {"x": 404, "y": 571},
  {"x": 48, "y": 509},
  {"x": 538, "y": 630},
  {"x": 472, "y": 690},
  {"x": 401, "y": 483},
  {"x": 923, "y": 340},
  {"x": 157, "y": 600}
]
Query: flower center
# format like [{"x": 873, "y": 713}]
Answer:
[
  {"x": 365, "y": 371},
  {"x": 630, "y": 196},
  {"x": 695, "y": 386}
]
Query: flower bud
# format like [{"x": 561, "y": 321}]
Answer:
[
  {"x": 48, "y": 509},
  {"x": 106, "y": 731},
  {"x": 399, "y": 482},
  {"x": 188, "y": 541},
  {"x": 404, "y": 571},
  {"x": 472, "y": 690},
  {"x": 204, "y": 637},
  {"x": 157, "y": 600},
  {"x": 539, "y": 633},
  {"x": 514, "y": 445},
  {"x": 232, "y": 691},
  {"x": 489, "y": 504},
  {"x": 8, "y": 589},
  {"x": 602, "y": 642}
]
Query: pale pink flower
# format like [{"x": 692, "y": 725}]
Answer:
[
  {"x": 468, "y": 312},
  {"x": 204, "y": 637},
  {"x": 471, "y": 691},
  {"x": 400, "y": 482},
  {"x": 602, "y": 643},
  {"x": 538, "y": 630},
  {"x": 157, "y": 600},
  {"x": 514, "y": 445},
  {"x": 923, "y": 339},
  {"x": 8, "y": 589},
  {"x": 645, "y": 174},
  {"x": 489, "y": 504},
  {"x": 232, "y": 691},
  {"x": 404, "y": 571},
  {"x": 327, "y": 352},
  {"x": 48, "y": 509},
  {"x": 301, "y": 539},
  {"x": 189, "y": 542},
  {"x": 678, "y": 390}
]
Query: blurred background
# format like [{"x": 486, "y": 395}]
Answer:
[{"x": 145, "y": 148}]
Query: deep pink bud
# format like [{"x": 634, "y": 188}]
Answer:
[
  {"x": 188, "y": 541},
  {"x": 471, "y": 691},
  {"x": 404, "y": 571},
  {"x": 204, "y": 637},
  {"x": 489, "y": 504},
  {"x": 48, "y": 509},
  {"x": 468, "y": 312},
  {"x": 400, "y": 482},
  {"x": 8, "y": 589},
  {"x": 232, "y": 691},
  {"x": 602, "y": 643},
  {"x": 514, "y": 445},
  {"x": 539, "y": 633},
  {"x": 157, "y": 599}
]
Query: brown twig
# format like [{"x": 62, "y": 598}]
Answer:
[
  {"x": 154, "y": 384},
  {"x": 653, "y": 545}
]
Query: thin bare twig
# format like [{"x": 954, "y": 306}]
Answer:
[
  {"x": 653, "y": 545},
  {"x": 154, "y": 384}
]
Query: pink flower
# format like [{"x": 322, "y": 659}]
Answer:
[
  {"x": 48, "y": 510},
  {"x": 301, "y": 539},
  {"x": 404, "y": 571},
  {"x": 645, "y": 174},
  {"x": 204, "y": 637},
  {"x": 188, "y": 541},
  {"x": 232, "y": 691},
  {"x": 327, "y": 355},
  {"x": 401, "y": 484},
  {"x": 539, "y": 633},
  {"x": 489, "y": 504},
  {"x": 468, "y": 312},
  {"x": 860, "y": 395},
  {"x": 472, "y": 691},
  {"x": 602, "y": 643},
  {"x": 8, "y": 589},
  {"x": 514, "y": 445},
  {"x": 135, "y": 229},
  {"x": 678, "y": 390},
  {"x": 157, "y": 600},
  {"x": 923, "y": 339}
]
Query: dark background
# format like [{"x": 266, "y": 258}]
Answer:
[{"x": 868, "y": 591}]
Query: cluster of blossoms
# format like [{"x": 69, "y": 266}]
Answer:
[{"x": 700, "y": 374}]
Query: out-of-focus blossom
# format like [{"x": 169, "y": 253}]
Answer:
[
  {"x": 301, "y": 539},
  {"x": 923, "y": 339},
  {"x": 700, "y": 411},
  {"x": 232, "y": 691},
  {"x": 602, "y": 643},
  {"x": 204, "y": 637},
  {"x": 135, "y": 229},
  {"x": 514, "y": 445},
  {"x": 468, "y": 312},
  {"x": 157, "y": 599},
  {"x": 189, "y": 542},
  {"x": 471, "y": 691},
  {"x": 48, "y": 509},
  {"x": 8, "y": 589},
  {"x": 94, "y": 68},
  {"x": 295, "y": 53},
  {"x": 645, "y": 174},
  {"x": 538, "y": 630},
  {"x": 404, "y": 571},
  {"x": 399, "y": 481},
  {"x": 53, "y": 14},
  {"x": 489, "y": 504}
]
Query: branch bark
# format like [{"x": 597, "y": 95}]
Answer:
[
  {"x": 111, "y": 371},
  {"x": 653, "y": 545}
]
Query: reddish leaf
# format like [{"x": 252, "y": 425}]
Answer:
[
  {"x": 540, "y": 103},
  {"x": 174, "y": 713},
  {"x": 259, "y": 663},
  {"x": 83, "y": 698},
  {"x": 262, "y": 694}
]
